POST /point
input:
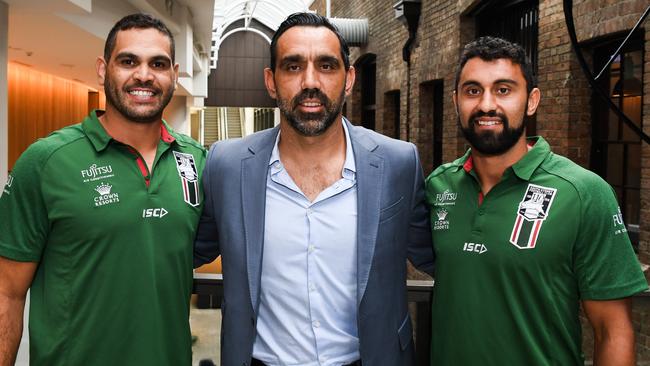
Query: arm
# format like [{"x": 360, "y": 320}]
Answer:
[
  {"x": 15, "y": 279},
  {"x": 420, "y": 250},
  {"x": 206, "y": 246},
  {"x": 613, "y": 331}
]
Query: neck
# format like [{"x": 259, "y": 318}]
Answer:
[
  {"x": 490, "y": 168},
  {"x": 143, "y": 137},
  {"x": 311, "y": 150}
]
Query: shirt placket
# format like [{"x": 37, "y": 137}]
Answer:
[{"x": 312, "y": 280}]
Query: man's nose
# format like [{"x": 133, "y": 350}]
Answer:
[
  {"x": 310, "y": 78},
  {"x": 487, "y": 102},
  {"x": 143, "y": 73}
]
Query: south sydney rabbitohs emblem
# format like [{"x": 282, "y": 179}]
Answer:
[
  {"x": 532, "y": 212},
  {"x": 189, "y": 177}
]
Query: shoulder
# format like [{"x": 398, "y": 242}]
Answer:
[
  {"x": 43, "y": 149},
  {"x": 584, "y": 181},
  {"x": 446, "y": 170},
  {"x": 238, "y": 148},
  {"x": 381, "y": 144}
]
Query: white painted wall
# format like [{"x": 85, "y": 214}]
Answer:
[
  {"x": 177, "y": 114},
  {"x": 4, "y": 99}
]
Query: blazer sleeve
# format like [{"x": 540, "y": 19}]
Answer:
[
  {"x": 206, "y": 243},
  {"x": 420, "y": 249}
]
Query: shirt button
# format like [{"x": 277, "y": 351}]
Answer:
[
  {"x": 323, "y": 358},
  {"x": 316, "y": 323},
  {"x": 310, "y": 249},
  {"x": 481, "y": 211},
  {"x": 309, "y": 211},
  {"x": 312, "y": 287}
]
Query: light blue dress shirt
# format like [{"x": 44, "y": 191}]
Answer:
[{"x": 308, "y": 298}]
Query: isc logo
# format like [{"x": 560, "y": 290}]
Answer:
[
  {"x": 475, "y": 247},
  {"x": 154, "y": 212}
]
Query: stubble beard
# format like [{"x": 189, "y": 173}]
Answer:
[
  {"x": 311, "y": 124},
  {"x": 118, "y": 99}
]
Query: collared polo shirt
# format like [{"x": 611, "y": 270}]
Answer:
[
  {"x": 114, "y": 246},
  {"x": 511, "y": 271},
  {"x": 308, "y": 308}
]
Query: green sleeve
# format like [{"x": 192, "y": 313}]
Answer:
[
  {"x": 604, "y": 262},
  {"x": 24, "y": 221}
]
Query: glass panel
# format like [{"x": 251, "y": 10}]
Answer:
[
  {"x": 615, "y": 164},
  {"x": 613, "y": 126},
  {"x": 632, "y": 108},
  {"x": 631, "y": 211},
  {"x": 633, "y": 168}
]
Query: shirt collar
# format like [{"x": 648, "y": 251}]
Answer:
[
  {"x": 100, "y": 139},
  {"x": 349, "y": 166},
  {"x": 525, "y": 167}
]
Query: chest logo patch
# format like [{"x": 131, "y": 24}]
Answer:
[
  {"x": 105, "y": 195},
  {"x": 441, "y": 223},
  {"x": 189, "y": 177},
  {"x": 446, "y": 198},
  {"x": 95, "y": 172},
  {"x": 531, "y": 213}
]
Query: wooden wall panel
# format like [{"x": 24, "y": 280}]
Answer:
[{"x": 40, "y": 103}]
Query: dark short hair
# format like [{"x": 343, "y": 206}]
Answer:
[
  {"x": 309, "y": 20},
  {"x": 494, "y": 48},
  {"x": 137, "y": 21}
]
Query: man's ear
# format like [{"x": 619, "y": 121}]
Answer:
[
  {"x": 269, "y": 81},
  {"x": 175, "y": 75},
  {"x": 454, "y": 97},
  {"x": 100, "y": 67},
  {"x": 351, "y": 75},
  {"x": 533, "y": 101}
]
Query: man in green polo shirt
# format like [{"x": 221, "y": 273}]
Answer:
[
  {"x": 98, "y": 220},
  {"x": 523, "y": 236}
]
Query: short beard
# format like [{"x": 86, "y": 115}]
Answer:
[
  {"x": 311, "y": 124},
  {"x": 491, "y": 143},
  {"x": 113, "y": 98}
]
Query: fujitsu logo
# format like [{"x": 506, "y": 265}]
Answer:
[{"x": 95, "y": 170}]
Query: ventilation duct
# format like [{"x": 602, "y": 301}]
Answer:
[{"x": 355, "y": 31}]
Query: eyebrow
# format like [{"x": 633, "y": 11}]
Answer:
[
  {"x": 498, "y": 81},
  {"x": 161, "y": 57},
  {"x": 331, "y": 59},
  {"x": 291, "y": 58}
]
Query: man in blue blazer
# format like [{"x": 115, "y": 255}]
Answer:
[{"x": 314, "y": 220}]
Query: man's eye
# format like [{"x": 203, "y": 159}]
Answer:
[
  {"x": 473, "y": 91},
  {"x": 327, "y": 66},
  {"x": 127, "y": 62},
  {"x": 503, "y": 90},
  {"x": 159, "y": 65},
  {"x": 293, "y": 67}
]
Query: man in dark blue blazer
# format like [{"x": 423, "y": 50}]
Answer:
[{"x": 314, "y": 220}]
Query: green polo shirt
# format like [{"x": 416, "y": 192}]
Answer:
[
  {"x": 113, "y": 242},
  {"x": 511, "y": 271}
]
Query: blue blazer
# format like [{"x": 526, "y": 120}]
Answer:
[{"x": 393, "y": 225}]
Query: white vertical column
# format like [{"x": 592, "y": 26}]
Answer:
[{"x": 4, "y": 98}]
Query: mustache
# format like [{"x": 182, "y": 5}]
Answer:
[
  {"x": 138, "y": 84},
  {"x": 475, "y": 116},
  {"x": 311, "y": 94}
]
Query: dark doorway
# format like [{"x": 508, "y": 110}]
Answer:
[
  {"x": 431, "y": 114},
  {"x": 616, "y": 149},
  {"x": 367, "y": 72},
  {"x": 238, "y": 80},
  {"x": 516, "y": 21}
]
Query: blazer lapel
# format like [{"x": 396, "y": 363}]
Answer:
[
  {"x": 254, "y": 169},
  {"x": 369, "y": 175}
]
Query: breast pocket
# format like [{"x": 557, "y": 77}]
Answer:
[{"x": 391, "y": 210}]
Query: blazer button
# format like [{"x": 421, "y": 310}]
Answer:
[{"x": 253, "y": 321}]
